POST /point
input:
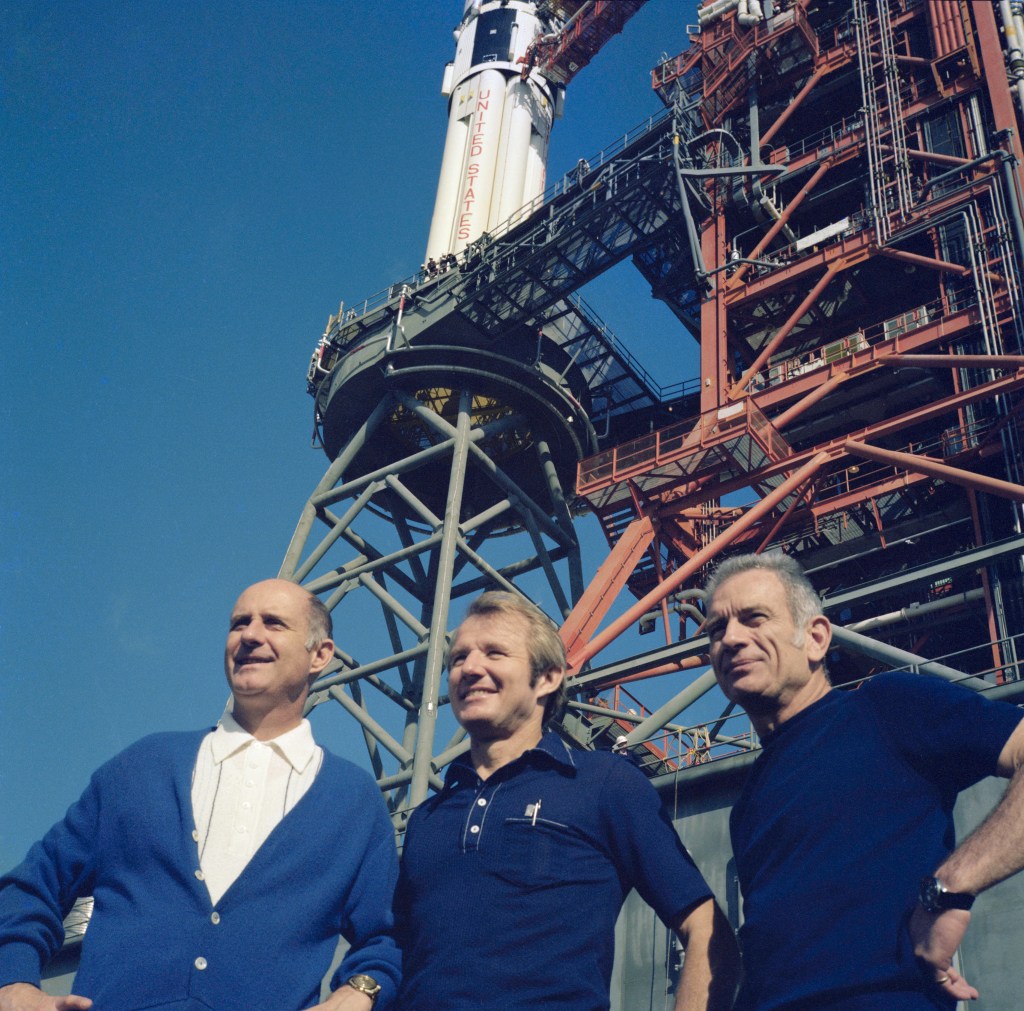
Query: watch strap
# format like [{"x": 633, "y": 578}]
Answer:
[{"x": 936, "y": 898}]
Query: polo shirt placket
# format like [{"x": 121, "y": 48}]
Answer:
[{"x": 476, "y": 816}]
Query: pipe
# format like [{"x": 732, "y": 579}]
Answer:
[
  {"x": 794, "y": 104},
  {"x": 748, "y": 12},
  {"x": 917, "y": 610},
  {"x": 810, "y": 400},
  {"x": 932, "y": 156},
  {"x": 940, "y": 34},
  {"x": 687, "y": 663},
  {"x": 1010, "y": 184},
  {"x": 660, "y": 718},
  {"x": 712, "y": 11},
  {"x": 1017, "y": 20},
  {"x": 973, "y": 163},
  {"x": 763, "y": 201},
  {"x": 925, "y": 261}
]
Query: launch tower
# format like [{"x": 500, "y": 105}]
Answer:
[{"x": 830, "y": 206}]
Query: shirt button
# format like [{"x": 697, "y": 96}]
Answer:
[
  {"x": 249, "y": 782},
  {"x": 200, "y": 875},
  {"x": 474, "y": 829},
  {"x": 215, "y": 917},
  {"x": 240, "y": 829},
  {"x": 482, "y": 802},
  {"x": 200, "y": 963},
  {"x": 246, "y": 805}
]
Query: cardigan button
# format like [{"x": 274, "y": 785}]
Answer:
[
  {"x": 200, "y": 963},
  {"x": 215, "y": 917},
  {"x": 200, "y": 875},
  {"x": 195, "y": 835}
]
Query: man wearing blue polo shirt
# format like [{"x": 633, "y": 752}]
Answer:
[
  {"x": 513, "y": 875},
  {"x": 852, "y": 898}
]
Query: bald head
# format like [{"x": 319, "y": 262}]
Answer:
[
  {"x": 319, "y": 627},
  {"x": 278, "y": 644}
]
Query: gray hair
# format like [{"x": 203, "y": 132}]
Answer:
[
  {"x": 320, "y": 626},
  {"x": 801, "y": 597},
  {"x": 544, "y": 646}
]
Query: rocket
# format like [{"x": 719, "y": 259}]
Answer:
[{"x": 495, "y": 151}]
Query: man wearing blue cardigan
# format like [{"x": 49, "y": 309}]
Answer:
[{"x": 223, "y": 863}]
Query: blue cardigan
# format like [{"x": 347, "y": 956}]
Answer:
[{"x": 156, "y": 941}]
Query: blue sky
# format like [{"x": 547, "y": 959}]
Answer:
[{"x": 186, "y": 193}]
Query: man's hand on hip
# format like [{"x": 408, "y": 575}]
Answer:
[{"x": 936, "y": 937}]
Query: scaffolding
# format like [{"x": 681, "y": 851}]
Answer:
[
  {"x": 850, "y": 170},
  {"x": 829, "y": 206}
]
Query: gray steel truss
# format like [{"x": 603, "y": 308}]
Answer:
[{"x": 367, "y": 544}]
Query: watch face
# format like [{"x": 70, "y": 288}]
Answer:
[{"x": 366, "y": 984}]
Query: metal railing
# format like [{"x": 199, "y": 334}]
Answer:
[{"x": 703, "y": 743}]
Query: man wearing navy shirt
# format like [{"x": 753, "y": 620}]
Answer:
[
  {"x": 854, "y": 896},
  {"x": 513, "y": 875}
]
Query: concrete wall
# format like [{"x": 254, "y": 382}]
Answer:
[{"x": 646, "y": 958}]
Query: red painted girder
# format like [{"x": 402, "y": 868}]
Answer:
[
  {"x": 834, "y": 448},
  {"x": 956, "y": 361},
  {"x": 591, "y": 25},
  {"x": 937, "y": 469},
  {"x": 609, "y": 579},
  {"x": 584, "y": 651}
]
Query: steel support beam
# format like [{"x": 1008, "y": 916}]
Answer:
[{"x": 389, "y": 549}]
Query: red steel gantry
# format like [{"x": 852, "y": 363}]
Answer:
[{"x": 856, "y": 251}]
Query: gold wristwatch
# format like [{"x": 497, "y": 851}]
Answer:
[{"x": 365, "y": 984}]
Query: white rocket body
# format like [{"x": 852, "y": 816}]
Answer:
[{"x": 495, "y": 151}]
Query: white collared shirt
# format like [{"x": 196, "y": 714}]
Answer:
[{"x": 241, "y": 789}]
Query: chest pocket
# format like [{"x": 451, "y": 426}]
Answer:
[{"x": 545, "y": 854}]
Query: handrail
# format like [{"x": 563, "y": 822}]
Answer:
[{"x": 709, "y": 744}]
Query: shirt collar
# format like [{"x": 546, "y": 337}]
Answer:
[
  {"x": 554, "y": 747},
  {"x": 295, "y": 746},
  {"x": 550, "y": 749}
]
